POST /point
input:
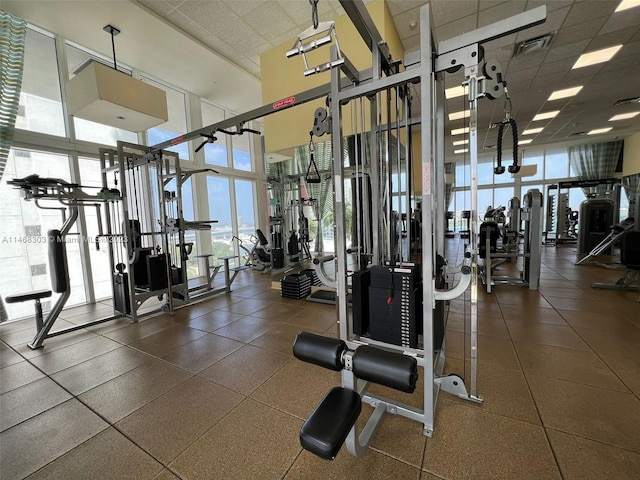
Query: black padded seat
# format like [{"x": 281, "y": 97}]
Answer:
[
  {"x": 24, "y": 297},
  {"x": 326, "y": 429}
]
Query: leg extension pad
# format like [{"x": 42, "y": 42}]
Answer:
[{"x": 326, "y": 429}]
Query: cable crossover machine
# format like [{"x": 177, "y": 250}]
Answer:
[
  {"x": 396, "y": 326},
  {"x": 386, "y": 284}
]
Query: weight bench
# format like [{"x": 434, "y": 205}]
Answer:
[
  {"x": 59, "y": 271},
  {"x": 332, "y": 421}
]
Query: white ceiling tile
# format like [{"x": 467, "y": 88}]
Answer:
[
  {"x": 588, "y": 10},
  {"x": 158, "y": 6},
  {"x": 242, "y": 7},
  {"x": 579, "y": 32},
  {"x": 550, "y": 4},
  {"x": 566, "y": 51},
  {"x": 614, "y": 38},
  {"x": 526, "y": 62},
  {"x": 547, "y": 82},
  {"x": 500, "y": 55},
  {"x": 554, "y": 67},
  {"x": 622, "y": 20},
  {"x": 629, "y": 49},
  {"x": 403, "y": 20},
  {"x": 212, "y": 15},
  {"x": 300, "y": 10},
  {"x": 241, "y": 36},
  {"x": 411, "y": 44},
  {"x": 398, "y": 6},
  {"x": 222, "y": 47},
  {"x": 187, "y": 25},
  {"x": 500, "y": 12},
  {"x": 270, "y": 20},
  {"x": 456, "y": 28},
  {"x": 289, "y": 37},
  {"x": 622, "y": 62},
  {"x": 484, "y": 4},
  {"x": 446, "y": 11},
  {"x": 552, "y": 24}
]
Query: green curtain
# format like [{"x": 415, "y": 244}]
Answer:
[
  {"x": 12, "y": 38},
  {"x": 594, "y": 162}
]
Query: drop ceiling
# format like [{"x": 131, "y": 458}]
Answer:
[{"x": 238, "y": 31}]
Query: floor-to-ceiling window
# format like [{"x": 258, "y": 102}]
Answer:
[{"x": 229, "y": 197}]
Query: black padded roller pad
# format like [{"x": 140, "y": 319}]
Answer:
[
  {"x": 37, "y": 295},
  {"x": 391, "y": 369},
  {"x": 319, "y": 350},
  {"x": 326, "y": 429},
  {"x": 58, "y": 262}
]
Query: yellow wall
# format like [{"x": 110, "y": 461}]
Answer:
[
  {"x": 283, "y": 77},
  {"x": 631, "y": 155}
]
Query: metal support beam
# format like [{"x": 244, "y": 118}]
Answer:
[{"x": 363, "y": 22}]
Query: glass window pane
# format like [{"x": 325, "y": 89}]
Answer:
[
  {"x": 576, "y": 197},
  {"x": 485, "y": 200},
  {"x": 556, "y": 164},
  {"x": 220, "y": 210},
  {"x": 245, "y": 206},
  {"x": 177, "y": 124},
  {"x": 242, "y": 151},
  {"x": 24, "y": 253},
  {"x": 501, "y": 196},
  {"x": 214, "y": 153},
  {"x": 506, "y": 176},
  {"x": 534, "y": 158},
  {"x": 485, "y": 173},
  {"x": 463, "y": 202},
  {"x": 40, "y": 98},
  {"x": 463, "y": 175},
  {"x": 100, "y": 264}
]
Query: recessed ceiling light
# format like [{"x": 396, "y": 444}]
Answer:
[
  {"x": 567, "y": 92},
  {"x": 460, "y": 142},
  {"x": 622, "y": 116},
  {"x": 626, "y": 4},
  {"x": 599, "y": 130},
  {"x": 546, "y": 115},
  {"x": 597, "y": 56},
  {"x": 462, "y": 150},
  {"x": 459, "y": 115},
  {"x": 531, "y": 131},
  {"x": 525, "y": 142},
  {"x": 459, "y": 131},
  {"x": 454, "y": 92}
]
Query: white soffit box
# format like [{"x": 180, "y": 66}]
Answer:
[
  {"x": 526, "y": 171},
  {"x": 104, "y": 95}
]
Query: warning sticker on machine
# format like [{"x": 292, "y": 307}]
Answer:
[
  {"x": 426, "y": 179},
  {"x": 285, "y": 102}
]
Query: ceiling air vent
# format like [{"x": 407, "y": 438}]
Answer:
[
  {"x": 577, "y": 134},
  {"x": 627, "y": 101},
  {"x": 533, "y": 45}
]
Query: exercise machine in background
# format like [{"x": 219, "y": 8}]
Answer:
[
  {"x": 46, "y": 192},
  {"x": 496, "y": 253}
]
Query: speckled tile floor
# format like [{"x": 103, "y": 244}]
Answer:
[{"x": 213, "y": 391}]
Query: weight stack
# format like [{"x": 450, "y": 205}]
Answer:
[
  {"x": 296, "y": 286},
  {"x": 394, "y": 305},
  {"x": 311, "y": 273}
]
